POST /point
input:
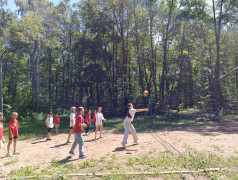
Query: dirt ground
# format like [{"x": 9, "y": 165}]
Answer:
[{"x": 220, "y": 139}]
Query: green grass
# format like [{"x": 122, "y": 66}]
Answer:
[
  {"x": 142, "y": 123},
  {"x": 13, "y": 161},
  {"x": 163, "y": 161}
]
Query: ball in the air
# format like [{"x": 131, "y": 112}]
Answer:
[{"x": 145, "y": 93}]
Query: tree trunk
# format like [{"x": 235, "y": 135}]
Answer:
[
  {"x": 153, "y": 60},
  {"x": 1, "y": 88},
  {"x": 236, "y": 65},
  {"x": 37, "y": 95},
  {"x": 164, "y": 68},
  {"x": 141, "y": 74},
  {"x": 217, "y": 68},
  {"x": 50, "y": 75}
]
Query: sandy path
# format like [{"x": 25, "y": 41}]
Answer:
[{"x": 39, "y": 152}]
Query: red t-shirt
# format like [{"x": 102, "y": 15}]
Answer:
[
  {"x": 94, "y": 118},
  {"x": 77, "y": 128},
  {"x": 13, "y": 127},
  {"x": 57, "y": 120},
  {"x": 1, "y": 130},
  {"x": 88, "y": 118}
]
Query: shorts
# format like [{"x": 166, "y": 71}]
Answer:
[
  {"x": 71, "y": 127},
  {"x": 50, "y": 129},
  {"x": 1, "y": 143},
  {"x": 15, "y": 137},
  {"x": 57, "y": 125}
]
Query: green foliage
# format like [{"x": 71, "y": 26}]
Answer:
[
  {"x": 25, "y": 171},
  {"x": 105, "y": 53}
]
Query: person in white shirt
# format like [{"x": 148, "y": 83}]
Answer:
[
  {"x": 49, "y": 124},
  {"x": 99, "y": 119},
  {"x": 71, "y": 122},
  {"x": 128, "y": 126}
]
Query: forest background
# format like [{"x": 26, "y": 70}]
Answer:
[{"x": 107, "y": 52}]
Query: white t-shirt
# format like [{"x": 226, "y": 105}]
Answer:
[
  {"x": 72, "y": 119},
  {"x": 132, "y": 113},
  {"x": 99, "y": 118},
  {"x": 50, "y": 122}
]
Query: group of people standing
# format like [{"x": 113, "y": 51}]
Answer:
[{"x": 77, "y": 123}]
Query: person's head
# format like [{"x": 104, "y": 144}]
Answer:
[
  {"x": 73, "y": 109},
  {"x": 95, "y": 111},
  {"x": 57, "y": 115},
  {"x": 14, "y": 115},
  {"x": 50, "y": 114},
  {"x": 99, "y": 109},
  {"x": 89, "y": 111},
  {"x": 1, "y": 115},
  {"x": 129, "y": 106},
  {"x": 81, "y": 110}
]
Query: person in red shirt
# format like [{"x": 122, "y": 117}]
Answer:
[
  {"x": 57, "y": 123},
  {"x": 78, "y": 129},
  {"x": 88, "y": 121},
  {"x": 13, "y": 134},
  {"x": 94, "y": 119}
]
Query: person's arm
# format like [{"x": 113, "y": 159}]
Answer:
[
  {"x": 83, "y": 125},
  {"x": 86, "y": 119},
  {"x": 46, "y": 123},
  {"x": 10, "y": 131},
  {"x": 141, "y": 110},
  {"x": 72, "y": 119},
  {"x": 103, "y": 118},
  {"x": 3, "y": 140}
]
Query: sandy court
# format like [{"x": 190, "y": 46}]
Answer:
[{"x": 219, "y": 139}]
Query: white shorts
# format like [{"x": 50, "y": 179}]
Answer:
[
  {"x": 98, "y": 123},
  {"x": 1, "y": 144}
]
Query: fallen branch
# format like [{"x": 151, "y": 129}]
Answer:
[{"x": 131, "y": 173}]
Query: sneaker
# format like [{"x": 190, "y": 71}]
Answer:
[
  {"x": 137, "y": 143},
  {"x": 70, "y": 152},
  {"x": 82, "y": 157},
  {"x": 68, "y": 142},
  {"x": 48, "y": 139},
  {"x": 16, "y": 153},
  {"x": 9, "y": 155},
  {"x": 124, "y": 145},
  {"x": 101, "y": 136}
]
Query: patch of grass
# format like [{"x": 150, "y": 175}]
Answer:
[
  {"x": 216, "y": 147},
  {"x": 55, "y": 163},
  {"x": 25, "y": 171},
  {"x": 13, "y": 161},
  {"x": 89, "y": 163},
  {"x": 142, "y": 123}
]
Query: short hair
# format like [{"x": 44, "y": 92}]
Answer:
[{"x": 14, "y": 113}]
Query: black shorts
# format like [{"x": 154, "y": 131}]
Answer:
[
  {"x": 15, "y": 137},
  {"x": 50, "y": 129},
  {"x": 71, "y": 127}
]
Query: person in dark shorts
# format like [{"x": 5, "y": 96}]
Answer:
[
  {"x": 49, "y": 124},
  {"x": 13, "y": 134}
]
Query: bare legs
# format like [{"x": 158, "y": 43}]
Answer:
[
  {"x": 96, "y": 130},
  {"x": 70, "y": 133}
]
